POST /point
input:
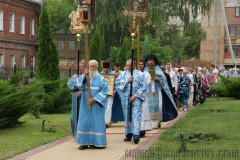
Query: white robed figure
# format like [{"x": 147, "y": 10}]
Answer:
[
  {"x": 113, "y": 111},
  {"x": 91, "y": 126},
  {"x": 146, "y": 124},
  {"x": 132, "y": 128}
]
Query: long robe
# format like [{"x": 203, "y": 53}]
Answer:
[
  {"x": 146, "y": 124},
  {"x": 161, "y": 104},
  {"x": 71, "y": 86},
  {"x": 113, "y": 110},
  {"x": 91, "y": 125},
  {"x": 139, "y": 90}
]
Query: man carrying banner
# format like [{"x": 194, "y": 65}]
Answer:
[{"x": 161, "y": 104}]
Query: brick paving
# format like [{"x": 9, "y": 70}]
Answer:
[{"x": 67, "y": 149}]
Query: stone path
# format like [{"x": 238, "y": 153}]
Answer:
[{"x": 67, "y": 149}]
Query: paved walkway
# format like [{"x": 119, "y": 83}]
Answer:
[{"x": 67, "y": 149}]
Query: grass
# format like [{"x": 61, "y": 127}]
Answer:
[
  {"x": 14, "y": 141},
  {"x": 204, "y": 119}
]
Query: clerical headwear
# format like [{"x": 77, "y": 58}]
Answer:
[
  {"x": 106, "y": 64},
  {"x": 152, "y": 57}
]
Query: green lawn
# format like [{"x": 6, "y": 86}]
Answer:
[
  {"x": 203, "y": 119},
  {"x": 29, "y": 135}
]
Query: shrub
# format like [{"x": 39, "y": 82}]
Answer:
[
  {"x": 56, "y": 96},
  {"x": 16, "y": 102},
  {"x": 228, "y": 87}
]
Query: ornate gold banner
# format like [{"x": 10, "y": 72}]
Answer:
[
  {"x": 151, "y": 70},
  {"x": 110, "y": 78}
]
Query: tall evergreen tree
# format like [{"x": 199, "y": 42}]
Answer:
[
  {"x": 47, "y": 59},
  {"x": 146, "y": 47},
  {"x": 123, "y": 53},
  {"x": 95, "y": 46}
]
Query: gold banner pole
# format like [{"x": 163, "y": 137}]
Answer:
[
  {"x": 138, "y": 46},
  {"x": 87, "y": 60}
]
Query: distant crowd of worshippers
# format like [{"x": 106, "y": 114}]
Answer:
[{"x": 157, "y": 94}]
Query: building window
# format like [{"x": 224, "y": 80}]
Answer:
[
  {"x": 238, "y": 31},
  {"x": 33, "y": 61},
  {"x": 11, "y": 23},
  {"x": 60, "y": 45},
  {"x": 1, "y": 60},
  {"x": 199, "y": 17},
  {"x": 177, "y": 18},
  {"x": 23, "y": 61},
  {"x": 232, "y": 31},
  {"x": 1, "y": 21},
  {"x": 236, "y": 50},
  {"x": 237, "y": 12},
  {"x": 71, "y": 45},
  {"x": 12, "y": 60},
  {"x": 32, "y": 28},
  {"x": 22, "y": 25}
]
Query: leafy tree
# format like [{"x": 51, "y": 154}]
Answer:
[
  {"x": 171, "y": 36},
  {"x": 193, "y": 35},
  {"x": 124, "y": 52},
  {"x": 146, "y": 47},
  {"x": 162, "y": 53},
  {"x": 113, "y": 55},
  {"x": 95, "y": 46},
  {"x": 47, "y": 62},
  {"x": 59, "y": 11}
]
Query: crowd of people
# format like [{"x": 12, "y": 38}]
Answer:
[{"x": 143, "y": 97}]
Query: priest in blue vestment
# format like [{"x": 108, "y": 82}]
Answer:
[
  {"x": 161, "y": 104},
  {"x": 132, "y": 128},
  {"x": 91, "y": 130},
  {"x": 75, "y": 94}
]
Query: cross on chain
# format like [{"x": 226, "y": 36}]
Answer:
[{"x": 135, "y": 14}]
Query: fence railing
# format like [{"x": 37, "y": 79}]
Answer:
[{"x": 7, "y": 71}]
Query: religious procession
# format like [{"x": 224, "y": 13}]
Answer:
[{"x": 129, "y": 79}]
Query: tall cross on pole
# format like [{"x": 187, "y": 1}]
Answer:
[{"x": 135, "y": 15}]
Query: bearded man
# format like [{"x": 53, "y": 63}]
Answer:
[
  {"x": 91, "y": 130},
  {"x": 161, "y": 104}
]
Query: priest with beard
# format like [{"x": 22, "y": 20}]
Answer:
[
  {"x": 161, "y": 104},
  {"x": 133, "y": 124},
  {"x": 91, "y": 130}
]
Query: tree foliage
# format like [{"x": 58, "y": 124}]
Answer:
[
  {"x": 193, "y": 34},
  {"x": 48, "y": 61},
  {"x": 228, "y": 87},
  {"x": 59, "y": 11},
  {"x": 114, "y": 27},
  {"x": 124, "y": 51},
  {"x": 95, "y": 46},
  {"x": 146, "y": 47},
  {"x": 17, "y": 99}
]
